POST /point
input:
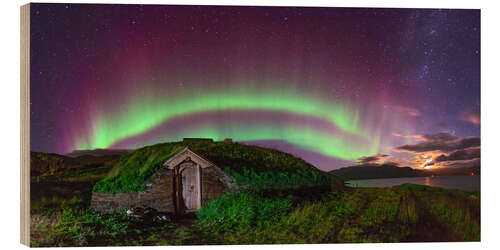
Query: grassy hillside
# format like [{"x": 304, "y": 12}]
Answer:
[
  {"x": 50, "y": 165},
  {"x": 98, "y": 152},
  {"x": 47, "y": 164},
  {"x": 58, "y": 180},
  {"x": 253, "y": 167}
]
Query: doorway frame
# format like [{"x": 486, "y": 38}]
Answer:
[{"x": 180, "y": 207}]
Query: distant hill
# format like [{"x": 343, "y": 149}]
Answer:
[
  {"x": 99, "y": 152},
  {"x": 46, "y": 164},
  {"x": 375, "y": 171}
]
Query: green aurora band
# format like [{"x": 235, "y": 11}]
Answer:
[
  {"x": 143, "y": 114},
  {"x": 304, "y": 138}
]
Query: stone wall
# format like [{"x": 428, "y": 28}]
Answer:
[
  {"x": 158, "y": 195},
  {"x": 214, "y": 183}
]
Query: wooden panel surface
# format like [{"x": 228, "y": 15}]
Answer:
[
  {"x": 190, "y": 185},
  {"x": 25, "y": 124}
]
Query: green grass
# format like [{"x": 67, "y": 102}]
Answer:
[
  {"x": 397, "y": 214},
  {"x": 255, "y": 180},
  {"x": 252, "y": 166},
  {"x": 361, "y": 216},
  {"x": 85, "y": 227},
  {"x": 458, "y": 211},
  {"x": 242, "y": 210},
  {"x": 47, "y": 196},
  {"x": 78, "y": 227},
  {"x": 133, "y": 169}
]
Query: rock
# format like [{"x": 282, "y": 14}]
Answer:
[
  {"x": 148, "y": 214},
  {"x": 162, "y": 218}
]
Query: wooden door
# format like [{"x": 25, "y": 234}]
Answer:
[{"x": 190, "y": 186}]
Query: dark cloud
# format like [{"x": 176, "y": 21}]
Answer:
[
  {"x": 443, "y": 142},
  {"x": 462, "y": 163},
  {"x": 372, "y": 164},
  {"x": 372, "y": 159},
  {"x": 461, "y": 154},
  {"x": 439, "y": 137}
]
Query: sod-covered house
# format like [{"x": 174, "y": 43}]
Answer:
[
  {"x": 185, "y": 182},
  {"x": 180, "y": 177}
]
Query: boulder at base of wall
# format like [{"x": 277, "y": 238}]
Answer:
[{"x": 148, "y": 214}]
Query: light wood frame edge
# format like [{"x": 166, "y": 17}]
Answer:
[{"x": 25, "y": 124}]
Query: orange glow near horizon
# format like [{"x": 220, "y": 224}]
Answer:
[{"x": 425, "y": 166}]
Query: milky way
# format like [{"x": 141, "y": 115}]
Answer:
[{"x": 330, "y": 85}]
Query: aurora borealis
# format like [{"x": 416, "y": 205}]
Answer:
[{"x": 330, "y": 85}]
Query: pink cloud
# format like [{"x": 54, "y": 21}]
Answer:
[{"x": 472, "y": 117}]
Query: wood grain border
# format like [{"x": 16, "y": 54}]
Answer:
[{"x": 25, "y": 124}]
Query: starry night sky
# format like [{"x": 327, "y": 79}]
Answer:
[{"x": 335, "y": 86}]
